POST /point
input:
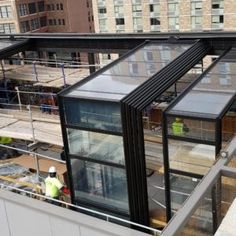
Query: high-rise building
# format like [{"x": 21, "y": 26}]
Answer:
[
  {"x": 21, "y": 16},
  {"x": 118, "y": 16}
]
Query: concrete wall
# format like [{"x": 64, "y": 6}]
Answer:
[{"x": 20, "y": 215}]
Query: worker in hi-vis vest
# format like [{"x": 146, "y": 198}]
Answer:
[
  {"x": 178, "y": 127},
  {"x": 53, "y": 185},
  {"x": 5, "y": 140}
]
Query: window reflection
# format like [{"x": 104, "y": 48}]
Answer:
[
  {"x": 93, "y": 114},
  {"x": 97, "y": 146},
  {"x": 101, "y": 184},
  {"x": 189, "y": 157},
  {"x": 197, "y": 129}
]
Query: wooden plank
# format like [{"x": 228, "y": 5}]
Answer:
[
  {"x": 153, "y": 139},
  {"x": 36, "y": 187}
]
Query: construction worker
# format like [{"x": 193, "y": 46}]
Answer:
[
  {"x": 178, "y": 127},
  {"x": 5, "y": 140},
  {"x": 53, "y": 186}
]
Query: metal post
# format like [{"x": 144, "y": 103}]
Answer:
[
  {"x": 35, "y": 71},
  {"x": 91, "y": 61},
  {"x": 18, "y": 96},
  {"x": 31, "y": 122},
  {"x": 37, "y": 165},
  {"x": 63, "y": 74},
  {"x": 3, "y": 71}
]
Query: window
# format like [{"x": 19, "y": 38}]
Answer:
[
  {"x": 5, "y": 12},
  {"x": 32, "y": 8},
  {"x": 49, "y": 7},
  {"x": 137, "y": 8},
  {"x": 7, "y": 28},
  {"x": 50, "y": 22},
  {"x": 34, "y": 24},
  {"x": 120, "y": 21},
  {"x": 173, "y": 8},
  {"x": 154, "y": 8},
  {"x": 41, "y": 6},
  {"x": 52, "y": 7},
  {"x": 24, "y": 26},
  {"x": 54, "y": 21},
  {"x": 225, "y": 79},
  {"x": 63, "y": 21},
  {"x": 61, "y": 6},
  {"x": 59, "y": 21},
  {"x": 58, "y": 6},
  {"x": 93, "y": 114},
  {"x": 133, "y": 69},
  {"x": 43, "y": 21},
  {"x": 196, "y": 6},
  {"x": 196, "y": 20},
  {"x": 23, "y": 10},
  {"x": 154, "y": 21},
  {"x": 137, "y": 21},
  {"x": 96, "y": 146},
  {"x": 103, "y": 25},
  {"x": 218, "y": 19},
  {"x": 173, "y": 23},
  {"x": 102, "y": 184},
  {"x": 102, "y": 10},
  {"x": 217, "y": 4},
  {"x": 119, "y": 9}
]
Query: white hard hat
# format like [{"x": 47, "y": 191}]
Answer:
[{"x": 52, "y": 169}]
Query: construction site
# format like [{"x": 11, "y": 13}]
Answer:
[{"x": 112, "y": 130}]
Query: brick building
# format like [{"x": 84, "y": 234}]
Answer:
[{"x": 118, "y": 16}]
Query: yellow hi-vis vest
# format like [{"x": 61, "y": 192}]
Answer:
[
  {"x": 5, "y": 140},
  {"x": 178, "y": 128},
  {"x": 53, "y": 186}
]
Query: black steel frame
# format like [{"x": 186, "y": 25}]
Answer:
[
  {"x": 218, "y": 128},
  {"x": 132, "y": 106}
]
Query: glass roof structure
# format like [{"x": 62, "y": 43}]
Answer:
[
  {"x": 7, "y": 43},
  {"x": 211, "y": 94},
  {"x": 129, "y": 72}
]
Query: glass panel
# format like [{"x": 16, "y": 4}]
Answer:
[
  {"x": 197, "y": 129},
  {"x": 103, "y": 185},
  {"x": 228, "y": 193},
  {"x": 134, "y": 69},
  {"x": 201, "y": 222},
  {"x": 212, "y": 93},
  {"x": 93, "y": 114},
  {"x": 191, "y": 157},
  {"x": 103, "y": 147},
  {"x": 181, "y": 188},
  {"x": 130, "y": 72},
  {"x": 199, "y": 102}
]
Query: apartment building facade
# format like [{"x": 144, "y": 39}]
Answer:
[
  {"x": 21, "y": 16},
  {"x": 124, "y": 16}
]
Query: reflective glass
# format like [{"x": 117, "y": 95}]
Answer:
[
  {"x": 135, "y": 69},
  {"x": 211, "y": 94},
  {"x": 5, "y": 44},
  {"x": 180, "y": 188},
  {"x": 201, "y": 221},
  {"x": 196, "y": 129},
  {"x": 124, "y": 76},
  {"x": 99, "y": 184},
  {"x": 97, "y": 146},
  {"x": 93, "y": 114},
  {"x": 190, "y": 157},
  {"x": 200, "y": 103}
]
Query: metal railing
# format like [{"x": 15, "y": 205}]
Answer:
[{"x": 109, "y": 218}]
